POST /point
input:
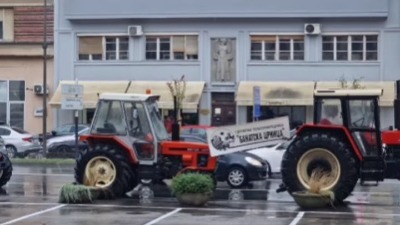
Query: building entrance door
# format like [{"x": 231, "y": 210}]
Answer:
[{"x": 223, "y": 109}]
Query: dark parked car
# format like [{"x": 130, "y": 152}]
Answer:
[
  {"x": 63, "y": 130},
  {"x": 238, "y": 168},
  {"x": 64, "y": 146}
]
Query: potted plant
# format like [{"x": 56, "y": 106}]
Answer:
[
  {"x": 192, "y": 188},
  {"x": 315, "y": 197}
]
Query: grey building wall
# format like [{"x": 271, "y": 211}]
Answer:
[{"x": 227, "y": 18}]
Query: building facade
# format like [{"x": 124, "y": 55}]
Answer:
[
  {"x": 21, "y": 62},
  {"x": 225, "y": 49}
]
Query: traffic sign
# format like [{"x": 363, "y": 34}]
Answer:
[
  {"x": 72, "y": 89},
  {"x": 72, "y": 103}
]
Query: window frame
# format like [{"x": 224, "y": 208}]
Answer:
[
  {"x": 279, "y": 110},
  {"x": 171, "y": 36},
  {"x": 2, "y": 30},
  {"x": 104, "y": 45},
  {"x": 349, "y": 46},
  {"x": 277, "y": 53},
  {"x": 9, "y": 102}
]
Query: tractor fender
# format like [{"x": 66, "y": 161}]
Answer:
[
  {"x": 339, "y": 130},
  {"x": 112, "y": 140}
]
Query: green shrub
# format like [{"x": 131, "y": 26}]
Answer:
[
  {"x": 192, "y": 183},
  {"x": 72, "y": 193}
]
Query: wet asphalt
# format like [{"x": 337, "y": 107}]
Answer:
[{"x": 31, "y": 197}]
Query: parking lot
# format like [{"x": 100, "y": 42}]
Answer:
[{"x": 31, "y": 197}]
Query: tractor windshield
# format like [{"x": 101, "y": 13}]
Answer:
[{"x": 155, "y": 118}]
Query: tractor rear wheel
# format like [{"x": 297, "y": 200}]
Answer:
[
  {"x": 324, "y": 151},
  {"x": 6, "y": 170},
  {"x": 105, "y": 166}
]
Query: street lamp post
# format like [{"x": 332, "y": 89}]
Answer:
[{"x": 45, "y": 79}]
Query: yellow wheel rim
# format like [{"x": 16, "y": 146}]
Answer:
[
  {"x": 100, "y": 172},
  {"x": 318, "y": 158}
]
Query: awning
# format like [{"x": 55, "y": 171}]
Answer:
[
  {"x": 276, "y": 93},
  {"x": 92, "y": 89},
  {"x": 389, "y": 90},
  {"x": 194, "y": 90}
]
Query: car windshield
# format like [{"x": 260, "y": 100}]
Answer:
[
  {"x": 19, "y": 130},
  {"x": 63, "y": 129},
  {"x": 155, "y": 118},
  {"x": 84, "y": 131}
]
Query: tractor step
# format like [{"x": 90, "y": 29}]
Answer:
[
  {"x": 371, "y": 175},
  {"x": 372, "y": 169}
]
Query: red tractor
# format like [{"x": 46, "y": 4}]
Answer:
[
  {"x": 128, "y": 143},
  {"x": 345, "y": 140}
]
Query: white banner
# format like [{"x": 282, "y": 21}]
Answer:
[{"x": 228, "y": 139}]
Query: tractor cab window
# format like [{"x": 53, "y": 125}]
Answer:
[
  {"x": 138, "y": 123},
  {"x": 140, "y": 130},
  {"x": 362, "y": 113},
  {"x": 362, "y": 124},
  {"x": 330, "y": 112},
  {"x": 109, "y": 119},
  {"x": 155, "y": 118}
]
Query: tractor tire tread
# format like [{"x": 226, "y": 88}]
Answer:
[
  {"x": 340, "y": 148},
  {"x": 125, "y": 180},
  {"x": 7, "y": 171}
]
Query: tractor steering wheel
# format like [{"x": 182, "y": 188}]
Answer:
[{"x": 359, "y": 122}]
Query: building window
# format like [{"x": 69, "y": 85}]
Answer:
[
  {"x": 103, "y": 48},
  {"x": 350, "y": 48},
  {"x": 177, "y": 47},
  {"x": 1, "y": 30},
  {"x": 277, "y": 48},
  {"x": 12, "y": 102},
  {"x": 296, "y": 114}
]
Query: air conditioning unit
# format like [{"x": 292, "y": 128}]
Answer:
[
  {"x": 39, "y": 90},
  {"x": 312, "y": 28},
  {"x": 135, "y": 31}
]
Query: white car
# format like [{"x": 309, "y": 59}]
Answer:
[
  {"x": 18, "y": 142},
  {"x": 272, "y": 155}
]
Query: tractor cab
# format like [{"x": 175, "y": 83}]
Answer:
[
  {"x": 133, "y": 120},
  {"x": 353, "y": 111}
]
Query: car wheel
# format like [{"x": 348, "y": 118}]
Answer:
[
  {"x": 11, "y": 151},
  {"x": 62, "y": 151},
  {"x": 237, "y": 177},
  {"x": 269, "y": 171}
]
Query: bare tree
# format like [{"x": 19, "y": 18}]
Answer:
[{"x": 177, "y": 88}]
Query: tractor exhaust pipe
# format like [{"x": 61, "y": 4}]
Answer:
[{"x": 175, "y": 126}]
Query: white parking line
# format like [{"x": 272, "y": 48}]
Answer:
[
  {"x": 338, "y": 213},
  {"x": 32, "y": 215},
  {"x": 46, "y": 174},
  {"x": 156, "y": 220},
  {"x": 297, "y": 219}
]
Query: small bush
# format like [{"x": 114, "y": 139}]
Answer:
[{"x": 192, "y": 183}]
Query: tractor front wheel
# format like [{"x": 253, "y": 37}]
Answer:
[
  {"x": 325, "y": 152},
  {"x": 106, "y": 167},
  {"x": 6, "y": 170}
]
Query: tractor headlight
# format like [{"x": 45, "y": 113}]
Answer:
[{"x": 253, "y": 161}]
